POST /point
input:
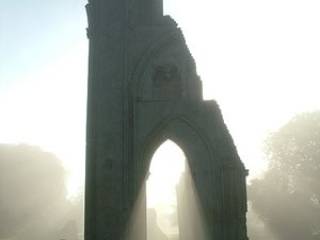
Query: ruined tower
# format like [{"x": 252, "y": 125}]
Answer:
[{"x": 142, "y": 90}]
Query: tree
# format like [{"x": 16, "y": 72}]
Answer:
[
  {"x": 33, "y": 202},
  {"x": 287, "y": 198}
]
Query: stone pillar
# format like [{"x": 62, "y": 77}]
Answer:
[
  {"x": 105, "y": 201},
  {"x": 234, "y": 201}
]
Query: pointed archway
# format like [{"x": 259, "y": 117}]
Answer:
[
  {"x": 166, "y": 168},
  {"x": 143, "y": 89}
]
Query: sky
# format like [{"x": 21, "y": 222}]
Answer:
[{"x": 259, "y": 59}]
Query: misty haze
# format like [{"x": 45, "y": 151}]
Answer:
[{"x": 258, "y": 60}]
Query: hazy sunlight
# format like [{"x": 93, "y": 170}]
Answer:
[{"x": 167, "y": 165}]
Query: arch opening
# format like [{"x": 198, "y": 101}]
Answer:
[
  {"x": 185, "y": 198},
  {"x": 166, "y": 167},
  {"x": 173, "y": 210}
]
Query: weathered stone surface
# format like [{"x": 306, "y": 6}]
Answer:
[{"x": 143, "y": 89}]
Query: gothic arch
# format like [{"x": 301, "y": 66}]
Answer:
[
  {"x": 166, "y": 130},
  {"x": 204, "y": 167},
  {"x": 142, "y": 89}
]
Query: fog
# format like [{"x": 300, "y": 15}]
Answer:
[
  {"x": 284, "y": 203},
  {"x": 287, "y": 197},
  {"x": 259, "y": 60},
  {"x": 33, "y": 195}
]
